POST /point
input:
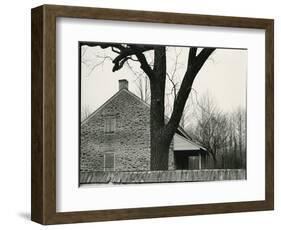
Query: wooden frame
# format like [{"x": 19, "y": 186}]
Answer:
[{"x": 43, "y": 207}]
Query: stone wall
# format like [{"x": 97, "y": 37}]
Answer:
[
  {"x": 162, "y": 176},
  {"x": 130, "y": 142}
]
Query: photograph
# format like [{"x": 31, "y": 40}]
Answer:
[{"x": 154, "y": 113}]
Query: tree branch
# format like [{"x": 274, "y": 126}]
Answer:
[
  {"x": 142, "y": 59},
  {"x": 195, "y": 63},
  {"x": 191, "y": 55},
  {"x": 202, "y": 57}
]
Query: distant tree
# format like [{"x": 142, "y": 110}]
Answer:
[
  {"x": 141, "y": 82},
  {"x": 85, "y": 112},
  {"x": 211, "y": 130},
  {"x": 239, "y": 124},
  {"x": 223, "y": 134}
]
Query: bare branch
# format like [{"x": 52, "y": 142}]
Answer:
[
  {"x": 202, "y": 57},
  {"x": 194, "y": 66},
  {"x": 143, "y": 61}
]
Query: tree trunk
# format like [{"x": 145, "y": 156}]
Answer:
[
  {"x": 161, "y": 135},
  {"x": 159, "y": 143},
  {"x": 159, "y": 154},
  {"x": 215, "y": 162}
]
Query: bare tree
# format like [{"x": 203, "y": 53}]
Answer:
[
  {"x": 211, "y": 130},
  {"x": 223, "y": 134},
  {"x": 141, "y": 82},
  {"x": 239, "y": 121},
  {"x": 161, "y": 133},
  {"x": 89, "y": 63},
  {"x": 85, "y": 112}
]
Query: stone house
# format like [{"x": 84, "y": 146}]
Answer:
[{"x": 116, "y": 137}]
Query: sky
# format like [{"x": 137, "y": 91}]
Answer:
[{"x": 223, "y": 76}]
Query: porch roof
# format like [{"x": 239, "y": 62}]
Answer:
[{"x": 183, "y": 144}]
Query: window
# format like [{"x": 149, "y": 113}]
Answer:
[
  {"x": 110, "y": 125},
  {"x": 109, "y": 160}
]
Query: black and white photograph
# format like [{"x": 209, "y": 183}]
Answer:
[{"x": 151, "y": 113}]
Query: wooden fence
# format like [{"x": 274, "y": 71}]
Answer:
[{"x": 139, "y": 177}]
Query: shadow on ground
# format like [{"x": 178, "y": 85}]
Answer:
[{"x": 24, "y": 215}]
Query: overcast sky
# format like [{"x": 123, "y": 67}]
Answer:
[{"x": 223, "y": 76}]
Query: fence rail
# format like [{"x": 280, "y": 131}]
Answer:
[{"x": 139, "y": 177}]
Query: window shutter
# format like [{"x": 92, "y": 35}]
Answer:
[
  {"x": 109, "y": 161},
  {"x": 113, "y": 124},
  {"x": 110, "y": 124}
]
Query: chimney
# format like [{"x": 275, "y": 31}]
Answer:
[{"x": 123, "y": 84}]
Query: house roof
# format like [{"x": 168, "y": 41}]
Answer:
[
  {"x": 102, "y": 106},
  {"x": 183, "y": 144},
  {"x": 180, "y": 130}
]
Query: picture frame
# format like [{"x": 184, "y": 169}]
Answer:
[{"x": 44, "y": 122}]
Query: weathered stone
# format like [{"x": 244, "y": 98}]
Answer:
[{"x": 130, "y": 142}]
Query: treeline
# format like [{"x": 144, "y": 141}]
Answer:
[{"x": 223, "y": 134}]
